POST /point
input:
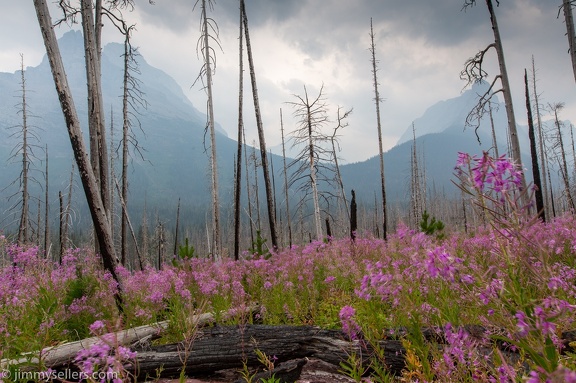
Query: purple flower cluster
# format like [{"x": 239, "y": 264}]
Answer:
[
  {"x": 349, "y": 325},
  {"x": 499, "y": 175},
  {"x": 104, "y": 357}
]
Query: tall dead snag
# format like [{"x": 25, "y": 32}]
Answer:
[
  {"x": 353, "y": 217},
  {"x": 132, "y": 98},
  {"x": 248, "y": 193},
  {"x": 23, "y": 227},
  {"x": 96, "y": 122},
  {"x": 377, "y": 100},
  {"x": 286, "y": 194},
  {"x": 313, "y": 157},
  {"x": 175, "y": 251},
  {"x": 209, "y": 31},
  {"x": 261, "y": 138},
  {"x": 543, "y": 157},
  {"x": 238, "y": 180},
  {"x": 534, "y": 153},
  {"x": 334, "y": 141},
  {"x": 93, "y": 196},
  {"x": 569, "y": 19},
  {"x": 46, "y": 209},
  {"x": 23, "y": 155},
  {"x": 559, "y": 144},
  {"x": 474, "y": 72},
  {"x": 417, "y": 185}
]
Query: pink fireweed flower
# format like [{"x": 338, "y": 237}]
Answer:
[
  {"x": 96, "y": 327},
  {"x": 349, "y": 325},
  {"x": 523, "y": 327},
  {"x": 329, "y": 279}
]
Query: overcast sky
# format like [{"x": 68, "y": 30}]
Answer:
[{"x": 421, "y": 46}]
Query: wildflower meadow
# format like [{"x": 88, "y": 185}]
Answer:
[{"x": 514, "y": 278}]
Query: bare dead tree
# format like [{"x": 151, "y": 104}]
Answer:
[
  {"x": 311, "y": 163},
  {"x": 24, "y": 154},
  {"x": 248, "y": 193},
  {"x": 534, "y": 153},
  {"x": 91, "y": 189},
  {"x": 377, "y": 101},
  {"x": 556, "y": 108},
  {"x": 542, "y": 152},
  {"x": 23, "y": 227},
  {"x": 286, "y": 194},
  {"x": 62, "y": 235},
  {"x": 160, "y": 235},
  {"x": 474, "y": 72},
  {"x": 208, "y": 33},
  {"x": 144, "y": 236},
  {"x": 132, "y": 232},
  {"x": 238, "y": 173},
  {"x": 46, "y": 209},
  {"x": 261, "y": 138},
  {"x": 569, "y": 19},
  {"x": 353, "y": 216},
  {"x": 256, "y": 190},
  {"x": 493, "y": 130},
  {"x": 334, "y": 141},
  {"x": 175, "y": 251},
  {"x": 132, "y": 100},
  {"x": 417, "y": 189},
  {"x": 96, "y": 122}
]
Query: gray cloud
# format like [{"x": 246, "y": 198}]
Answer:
[{"x": 421, "y": 47}]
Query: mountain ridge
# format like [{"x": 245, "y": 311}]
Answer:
[{"x": 176, "y": 163}]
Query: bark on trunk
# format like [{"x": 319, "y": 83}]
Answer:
[
  {"x": 380, "y": 148},
  {"x": 512, "y": 133},
  {"x": 230, "y": 347},
  {"x": 263, "y": 154},
  {"x": 93, "y": 197},
  {"x": 238, "y": 180},
  {"x": 569, "y": 18},
  {"x": 534, "y": 154},
  {"x": 213, "y": 162},
  {"x": 23, "y": 227},
  {"x": 286, "y": 195}
]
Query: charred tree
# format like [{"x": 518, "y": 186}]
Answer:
[
  {"x": 534, "y": 154},
  {"x": 353, "y": 216},
  {"x": 556, "y": 108},
  {"x": 569, "y": 19},
  {"x": 474, "y": 72},
  {"x": 238, "y": 173},
  {"x": 286, "y": 196},
  {"x": 209, "y": 32},
  {"x": 89, "y": 183},
  {"x": 334, "y": 141},
  {"x": 378, "y": 100},
  {"x": 310, "y": 163},
  {"x": 542, "y": 152},
  {"x": 262, "y": 140}
]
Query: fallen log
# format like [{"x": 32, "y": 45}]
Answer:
[
  {"x": 64, "y": 354},
  {"x": 220, "y": 348},
  {"x": 232, "y": 347},
  {"x": 212, "y": 349}
]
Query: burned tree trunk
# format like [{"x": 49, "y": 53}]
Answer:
[
  {"x": 91, "y": 189},
  {"x": 534, "y": 154},
  {"x": 377, "y": 100},
  {"x": 262, "y": 140}
]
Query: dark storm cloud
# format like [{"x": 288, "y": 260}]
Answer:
[{"x": 178, "y": 14}]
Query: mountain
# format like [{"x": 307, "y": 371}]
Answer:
[
  {"x": 451, "y": 115},
  {"x": 441, "y": 133},
  {"x": 171, "y": 132}
]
